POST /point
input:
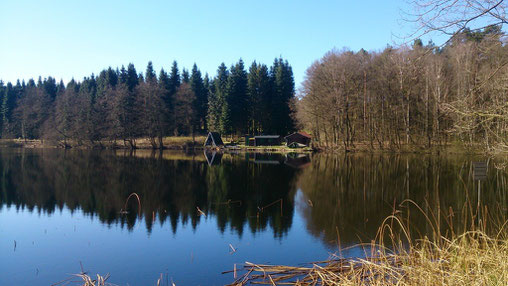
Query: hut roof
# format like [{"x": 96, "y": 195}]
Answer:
[
  {"x": 299, "y": 133},
  {"x": 214, "y": 138},
  {"x": 267, "y": 136}
]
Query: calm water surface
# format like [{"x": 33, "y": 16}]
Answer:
[{"x": 62, "y": 208}]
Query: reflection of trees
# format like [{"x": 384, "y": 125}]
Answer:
[
  {"x": 256, "y": 186},
  {"x": 355, "y": 193},
  {"x": 98, "y": 183}
]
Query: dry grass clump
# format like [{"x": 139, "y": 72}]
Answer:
[
  {"x": 88, "y": 281},
  {"x": 85, "y": 280},
  {"x": 471, "y": 258}
]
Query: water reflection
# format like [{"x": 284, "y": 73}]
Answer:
[
  {"x": 350, "y": 196},
  {"x": 343, "y": 196},
  {"x": 171, "y": 187}
]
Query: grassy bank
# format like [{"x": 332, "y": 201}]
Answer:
[
  {"x": 172, "y": 142},
  {"x": 196, "y": 143},
  {"x": 473, "y": 258},
  {"x": 169, "y": 143},
  {"x": 478, "y": 256}
]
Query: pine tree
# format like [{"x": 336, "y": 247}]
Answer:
[
  {"x": 283, "y": 86},
  {"x": 2, "y": 95},
  {"x": 200, "y": 102},
  {"x": 132, "y": 77},
  {"x": 220, "y": 113},
  {"x": 214, "y": 107},
  {"x": 172, "y": 87},
  {"x": 184, "y": 109},
  {"x": 174, "y": 79},
  {"x": 126, "y": 114},
  {"x": 259, "y": 91},
  {"x": 8, "y": 105},
  {"x": 150, "y": 73},
  {"x": 236, "y": 98},
  {"x": 185, "y": 76}
]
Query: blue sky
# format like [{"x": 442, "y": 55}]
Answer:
[{"x": 73, "y": 39}]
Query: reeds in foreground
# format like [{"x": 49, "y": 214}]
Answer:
[
  {"x": 471, "y": 258},
  {"x": 85, "y": 280},
  {"x": 88, "y": 281}
]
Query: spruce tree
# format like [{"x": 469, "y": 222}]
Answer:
[
  {"x": 236, "y": 98},
  {"x": 283, "y": 89},
  {"x": 185, "y": 76},
  {"x": 150, "y": 73},
  {"x": 219, "y": 111},
  {"x": 214, "y": 107},
  {"x": 200, "y": 102},
  {"x": 172, "y": 88},
  {"x": 259, "y": 91},
  {"x": 132, "y": 77}
]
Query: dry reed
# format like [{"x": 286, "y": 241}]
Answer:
[{"x": 471, "y": 258}]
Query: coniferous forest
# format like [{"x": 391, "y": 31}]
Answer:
[{"x": 124, "y": 104}]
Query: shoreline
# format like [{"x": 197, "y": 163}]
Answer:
[{"x": 189, "y": 144}]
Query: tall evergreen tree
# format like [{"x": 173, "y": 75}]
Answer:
[
  {"x": 219, "y": 113},
  {"x": 150, "y": 73},
  {"x": 236, "y": 99},
  {"x": 283, "y": 92},
  {"x": 259, "y": 91},
  {"x": 214, "y": 107},
  {"x": 200, "y": 102},
  {"x": 167, "y": 100},
  {"x": 185, "y": 76},
  {"x": 132, "y": 77},
  {"x": 8, "y": 105}
]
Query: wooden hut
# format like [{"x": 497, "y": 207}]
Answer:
[
  {"x": 213, "y": 140},
  {"x": 298, "y": 139},
  {"x": 267, "y": 140}
]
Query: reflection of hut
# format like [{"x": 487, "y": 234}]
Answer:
[
  {"x": 298, "y": 139},
  {"x": 260, "y": 158},
  {"x": 214, "y": 140},
  {"x": 297, "y": 161},
  {"x": 213, "y": 158},
  {"x": 266, "y": 140}
]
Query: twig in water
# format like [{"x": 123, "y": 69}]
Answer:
[
  {"x": 124, "y": 210},
  {"x": 200, "y": 212},
  {"x": 233, "y": 249}
]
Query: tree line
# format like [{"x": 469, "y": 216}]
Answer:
[
  {"x": 418, "y": 94},
  {"x": 122, "y": 104}
]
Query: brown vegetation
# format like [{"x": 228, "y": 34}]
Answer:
[{"x": 420, "y": 95}]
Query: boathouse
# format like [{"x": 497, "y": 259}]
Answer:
[{"x": 298, "y": 139}]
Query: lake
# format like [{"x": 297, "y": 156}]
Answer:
[{"x": 202, "y": 213}]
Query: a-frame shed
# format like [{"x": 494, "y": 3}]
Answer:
[{"x": 213, "y": 140}]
